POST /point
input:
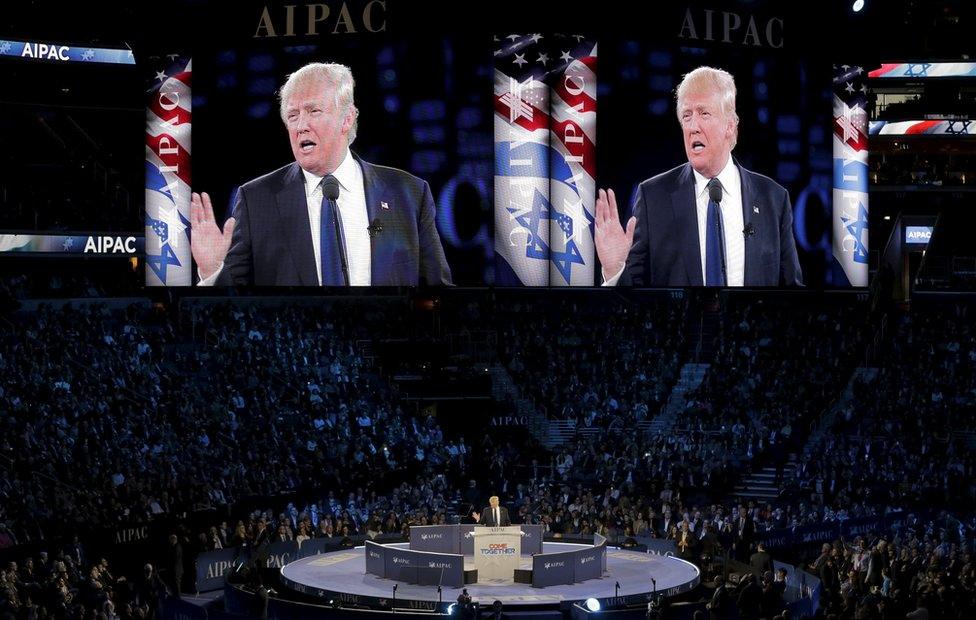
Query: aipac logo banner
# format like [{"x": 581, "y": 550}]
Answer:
[
  {"x": 435, "y": 538},
  {"x": 168, "y": 116},
  {"x": 375, "y": 559},
  {"x": 58, "y": 52},
  {"x": 589, "y": 564},
  {"x": 549, "y": 569},
  {"x": 850, "y": 183},
  {"x": 572, "y": 168},
  {"x": 531, "y": 538},
  {"x": 545, "y": 144}
]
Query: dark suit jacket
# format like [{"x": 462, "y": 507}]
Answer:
[
  {"x": 488, "y": 517},
  {"x": 760, "y": 562},
  {"x": 721, "y": 603},
  {"x": 750, "y": 599},
  {"x": 272, "y": 244},
  {"x": 667, "y": 250},
  {"x": 742, "y": 534}
]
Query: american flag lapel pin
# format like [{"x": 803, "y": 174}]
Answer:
[{"x": 384, "y": 205}]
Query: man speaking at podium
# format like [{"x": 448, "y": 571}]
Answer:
[
  {"x": 493, "y": 515},
  {"x": 328, "y": 218}
]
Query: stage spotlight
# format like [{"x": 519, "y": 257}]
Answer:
[
  {"x": 592, "y": 604},
  {"x": 857, "y": 6}
]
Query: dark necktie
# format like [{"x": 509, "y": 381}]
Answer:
[
  {"x": 329, "y": 245},
  {"x": 714, "y": 242}
]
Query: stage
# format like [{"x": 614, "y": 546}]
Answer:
[{"x": 341, "y": 576}]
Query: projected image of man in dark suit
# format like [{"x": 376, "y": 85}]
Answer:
[
  {"x": 709, "y": 222},
  {"x": 493, "y": 515},
  {"x": 329, "y": 218}
]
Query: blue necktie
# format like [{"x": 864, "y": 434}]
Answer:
[
  {"x": 329, "y": 246},
  {"x": 714, "y": 242}
]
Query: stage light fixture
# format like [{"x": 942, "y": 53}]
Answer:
[
  {"x": 857, "y": 6},
  {"x": 592, "y": 604}
]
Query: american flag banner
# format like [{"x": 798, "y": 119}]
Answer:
[
  {"x": 522, "y": 203},
  {"x": 850, "y": 186},
  {"x": 915, "y": 70},
  {"x": 168, "y": 174},
  {"x": 572, "y": 165},
  {"x": 958, "y": 127}
]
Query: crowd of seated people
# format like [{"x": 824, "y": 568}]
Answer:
[
  {"x": 926, "y": 171},
  {"x": 775, "y": 372},
  {"x": 602, "y": 364},
  {"x": 921, "y": 572},
  {"x": 67, "y": 585},
  {"x": 113, "y": 417},
  {"x": 58, "y": 279},
  {"x": 902, "y": 439},
  {"x": 121, "y": 416}
]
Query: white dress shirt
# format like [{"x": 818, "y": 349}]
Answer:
[
  {"x": 732, "y": 224},
  {"x": 354, "y": 217},
  {"x": 352, "y": 212}
]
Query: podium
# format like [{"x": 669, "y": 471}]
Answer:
[{"x": 497, "y": 551}]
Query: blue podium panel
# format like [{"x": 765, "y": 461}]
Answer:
[
  {"x": 589, "y": 563},
  {"x": 531, "y": 539},
  {"x": 375, "y": 559},
  {"x": 436, "y": 538},
  {"x": 550, "y": 569},
  {"x": 466, "y": 542}
]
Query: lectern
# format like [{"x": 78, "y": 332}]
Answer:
[{"x": 496, "y": 552}]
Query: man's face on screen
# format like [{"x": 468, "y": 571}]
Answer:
[
  {"x": 708, "y": 131},
  {"x": 318, "y": 132}
]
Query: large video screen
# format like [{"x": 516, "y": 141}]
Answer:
[{"x": 340, "y": 145}]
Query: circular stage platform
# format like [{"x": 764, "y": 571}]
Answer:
[{"x": 341, "y": 576}]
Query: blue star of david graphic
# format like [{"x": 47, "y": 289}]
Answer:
[
  {"x": 532, "y": 221},
  {"x": 958, "y": 127},
  {"x": 159, "y": 263},
  {"x": 918, "y": 70},
  {"x": 565, "y": 260},
  {"x": 856, "y": 228}
]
